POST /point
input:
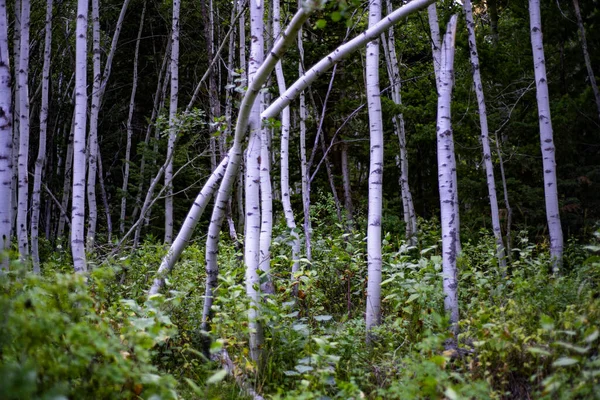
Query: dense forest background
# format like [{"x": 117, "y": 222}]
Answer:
[{"x": 525, "y": 331}]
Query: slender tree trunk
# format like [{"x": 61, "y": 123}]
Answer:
[
  {"x": 41, "y": 158},
  {"x": 23, "y": 202},
  {"x": 508, "y": 236},
  {"x": 446, "y": 163},
  {"x": 125, "y": 186},
  {"x": 373, "y": 312},
  {"x": 303, "y": 160},
  {"x": 492, "y": 6},
  {"x": 109, "y": 229},
  {"x": 485, "y": 141},
  {"x": 436, "y": 46},
  {"x": 546, "y": 137},
  {"x": 189, "y": 224},
  {"x": 6, "y": 141},
  {"x": 410, "y": 216},
  {"x": 93, "y": 133},
  {"x": 78, "y": 202},
  {"x": 172, "y": 122},
  {"x": 16, "y": 117},
  {"x": 586, "y": 56}
]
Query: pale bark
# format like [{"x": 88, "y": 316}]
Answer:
[
  {"x": 546, "y": 137},
  {"x": 436, "y": 48},
  {"x": 6, "y": 141},
  {"x": 266, "y": 208},
  {"x": 93, "y": 132},
  {"x": 172, "y": 121},
  {"x": 374, "y": 262},
  {"x": 67, "y": 178},
  {"x": 16, "y": 116},
  {"x": 305, "y": 180},
  {"x": 188, "y": 226},
  {"x": 346, "y": 182},
  {"x": 446, "y": 182},
  {"x": 235, "y": 154},
  {"x": 78, "y": 202},
  {"x": 125, "y": 186},
  {"x": 485, "y": 141},
  {"x": 41, "y": 158},
  {"x": 410, "y": 216},
  {"x": 586, "y": 56},
  {"x": 23, "y": 196}
]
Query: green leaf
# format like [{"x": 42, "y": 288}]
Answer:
[
  {"x": 321, "y": 23},
  {"x": 195, "y": 388},
  {"x": 303, "y": 368},
  {"x": 451, "y": 394},
  {"x": 217, "y": 377},
  {"x": 578, "y": 349},
  {"x": 321, "y": 318},
  {"x": 593, "y": 336},
  {"x": 142, "y": 323},
  {"x": 537, "y": 350},
  {"x": 564, "y": 362},
  {"x": 413, "y": 297},
  {"x": 336, "y": 16}
]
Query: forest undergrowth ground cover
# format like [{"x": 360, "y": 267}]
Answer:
[{"x": 523, "y": 332}]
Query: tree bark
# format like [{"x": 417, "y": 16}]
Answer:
[
  {"x": 485, "y": 141},
  {"x": 446, "y": 164},
  {"x": 6, "y": 141},
  {"x": 41, "y": 158},
  {"x": 78, "y": 202},
  {"x": 546, "y": 137},
  {"x": 374, "y": 263}
]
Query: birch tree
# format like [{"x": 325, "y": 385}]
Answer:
[
  {"x": 305, "y": 180},
  {"x": 373, "y": 312},
  {"x": 546, "y": 136},
  {"x": 172, "y": 121},
  {"x": 446, "y": 182},
  {"x": 410, "y": 216},
  {"x": 6, "y": 140},
  {"x": 41, "y": 157},
  {"x": 23, "y": 196},
  {"x": 78, "y": 202},
  {"x": 484, "y": 138}
]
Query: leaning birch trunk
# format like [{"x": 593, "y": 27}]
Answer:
[
  {"x": 191, "y": 220},
  {"x": 546, "y": 137},
  {"x": 23, "y": 196},
  {"x": 373, "y": 311},
  {"x": 125, "y": 186},
  {"x": 303, "y": 161},
  {"x": 410, "y": 216},
  {"x": 78, "y": 202},
  {"x": 41, "y": 158},
  {"x": 485, "y": 141},
  {"x": 275, "y": 109},
  {"x": 436, "y": 45},
  {"x": 6, "y": 166},
  {"x": 235, "y": 154},
  {"x": 586, "y": 55},
  {"x": 446, "y": 163},
  {"x": 172, "y": 122},
  {"x": 284, "y": 152},
  {"x": 93, "y": 133}
]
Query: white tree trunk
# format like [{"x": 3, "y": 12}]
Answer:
[
  {"x": 172, "y": 122},
  {"x": 41, "y": 158},
  {"x": 23, "y": 197},
  {"x": 93, "y": 133},
  {"x": 586, "y": 55},
  {"x": 436, "y": 46},
  {"x": 252, "y": 255},
  {"x": 6, "y": 140},
  {"x": 373, "y": 312},
  {"x": 485, "y": 141},
  {"x": 188, "y": 226},
  {"x": 303, "y": 160},
  {"x": 16, "y": 115},
  {"x": 546, "y": 137},
  {"x": 284, "y": 152},
  {"x": 446, "y": 163},
  {"x": 78, "y": 202},
  {"x": 410, "y": 216},
  {"x": 125, "y": 186}
]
